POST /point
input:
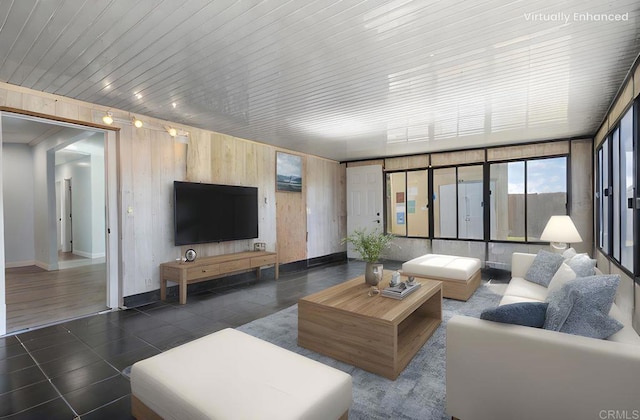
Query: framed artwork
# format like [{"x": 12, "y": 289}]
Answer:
[{"x": 288, "y": 172}]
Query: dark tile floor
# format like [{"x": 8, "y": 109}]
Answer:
[{"x": 74, "y": 369}]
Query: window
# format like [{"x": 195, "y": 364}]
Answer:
[
  {"x": 603, "y": 196},
  {"x": 546, "y": 193},
  {"x": 470, "y": 203},
  {"x": 444, "y": 203},
  {"x": 627, "y": 187},
  {"x": 408, "y": 203},
  {"x": 458, "y": 202},
  {"x": 418, "y": 203},
  {"x": 524, "y": 195},
  {"x": 507, "y": 201},
  {"x": 615, "y": 188}
]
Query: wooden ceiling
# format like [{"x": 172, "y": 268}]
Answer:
[{"x": 341, "y": 79}]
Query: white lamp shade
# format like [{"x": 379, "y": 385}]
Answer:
[{"x": 560, "y": 229}]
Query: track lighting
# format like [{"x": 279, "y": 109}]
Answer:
[{"x": 108, "y": 118}]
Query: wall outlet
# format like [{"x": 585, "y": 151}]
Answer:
[
  {"x": 147, "y": 282},
  {"x": 259, "y": 246}
]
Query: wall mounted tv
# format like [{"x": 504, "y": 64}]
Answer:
[{"x": 214, "y": 213}]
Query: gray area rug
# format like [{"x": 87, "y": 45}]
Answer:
[{"x": 419, "y": 391}]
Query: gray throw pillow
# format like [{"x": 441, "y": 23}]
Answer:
[
  {"x": 582, "y": 265},
  {"x": 581, "y": 307},
  {"x": 543, "y": 267},
  {"x": 529, "y": 314}
]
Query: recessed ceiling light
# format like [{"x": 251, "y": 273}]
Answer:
[
  {"x": 138, "y": 96},
  {"x": 173, "y": 104}
]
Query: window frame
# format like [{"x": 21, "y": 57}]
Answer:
[
  {"x": 429, "y": 193},
  {"x": 567, "y": 157},
  {"x": 607, "y": 147}
]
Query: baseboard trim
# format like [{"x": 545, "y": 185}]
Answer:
[{"x": 17, "y": 264}]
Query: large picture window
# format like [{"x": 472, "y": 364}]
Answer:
[
  {"x": 617, "y": 160},
  {"x": 524, "y": 195}
]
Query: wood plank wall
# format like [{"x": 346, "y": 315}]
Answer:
[{"x": 149, "y": 160}]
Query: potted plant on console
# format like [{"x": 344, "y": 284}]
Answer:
[{"x": 370, "y": 246}]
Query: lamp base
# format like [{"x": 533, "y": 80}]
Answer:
[{"x": 558, "y": 247}]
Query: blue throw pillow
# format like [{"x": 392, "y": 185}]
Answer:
[
  {"x": 581, "y": 307},
  {"x": 529, "y": 314},
  {"x": 582, "y": 265},
  {"x": 543, "y": 267}
]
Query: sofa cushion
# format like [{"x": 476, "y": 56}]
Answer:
[
  {"x": 529, "y": 314},
  {"x": 562, "y": 276},
  {"x": 582, "y": 265},
  {"x": 543, "y": 268},
  {"x": 627, "y": 334},
  {"x": 581, "y": 307},
  {"x": 448, "y": 267},
  {"x": 508, "y": 299},
  {"x": 524, "y": 288},
  {"x": 569, "y": 253}
]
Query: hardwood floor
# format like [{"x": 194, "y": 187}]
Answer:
[{"x": 37, "y": 297}]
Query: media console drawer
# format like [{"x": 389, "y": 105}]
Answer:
[
  {"x": 207, "y": 268},
  {"x": 260, "y": 261},
  {"x": 231, "y": 266},
  {"x": 203, "y": 271}
]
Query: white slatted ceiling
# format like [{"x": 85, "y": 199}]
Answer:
[{"x": 341, "y": 79}]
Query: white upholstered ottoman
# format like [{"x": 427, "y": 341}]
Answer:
[
  {"x": 460, "y": 276},
  {"x": 232, "y": 375}
]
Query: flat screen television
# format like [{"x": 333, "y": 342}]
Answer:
[{"x": 214, "y": 213}]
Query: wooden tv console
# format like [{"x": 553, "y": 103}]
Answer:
[{"x": 207, "y": 268}]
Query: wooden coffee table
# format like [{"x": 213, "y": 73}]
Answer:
[{"x": 375, "y": 333}]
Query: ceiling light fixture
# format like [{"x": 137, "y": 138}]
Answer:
[
  {"x": 174, "y": 105},
  {"x": 172, "y": 132},
  {"x": 137, "y": 123},
  {"x": 108, "y": 118}
]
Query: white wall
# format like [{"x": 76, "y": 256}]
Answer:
[
  {"x": 45, "y": 231},
  {"x": 18, "y": 187},
  {"x": 88, "y": 201}
]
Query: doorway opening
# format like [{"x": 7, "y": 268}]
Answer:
[{"x": 55, "y": 184}]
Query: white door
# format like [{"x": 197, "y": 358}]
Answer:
[{"x": 364, "y": 200}]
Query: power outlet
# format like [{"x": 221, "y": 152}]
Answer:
[
  {"x": 259, "y": 246},
  {"x": 147, "y": 282}
]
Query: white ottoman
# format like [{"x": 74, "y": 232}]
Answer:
[
  {"x": 232, "y": 375},
  {"x": 460, "y": 276}
]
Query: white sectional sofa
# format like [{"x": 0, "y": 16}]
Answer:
[{"x": 501, "y": 371}]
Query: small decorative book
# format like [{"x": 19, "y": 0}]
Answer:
[{"x": 400, "y": 291}]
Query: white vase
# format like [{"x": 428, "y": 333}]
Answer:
[{"x": 372, "y": 273}]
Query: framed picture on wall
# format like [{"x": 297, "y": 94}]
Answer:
[{"x": 288, "y": 172}]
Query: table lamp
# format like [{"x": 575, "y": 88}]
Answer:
[{"x": 560, "y": 231}]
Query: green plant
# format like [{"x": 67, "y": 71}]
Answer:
[{"x": 369, "y": 245}]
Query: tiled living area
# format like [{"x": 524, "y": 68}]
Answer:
[{"x": 74, "y": 369}]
